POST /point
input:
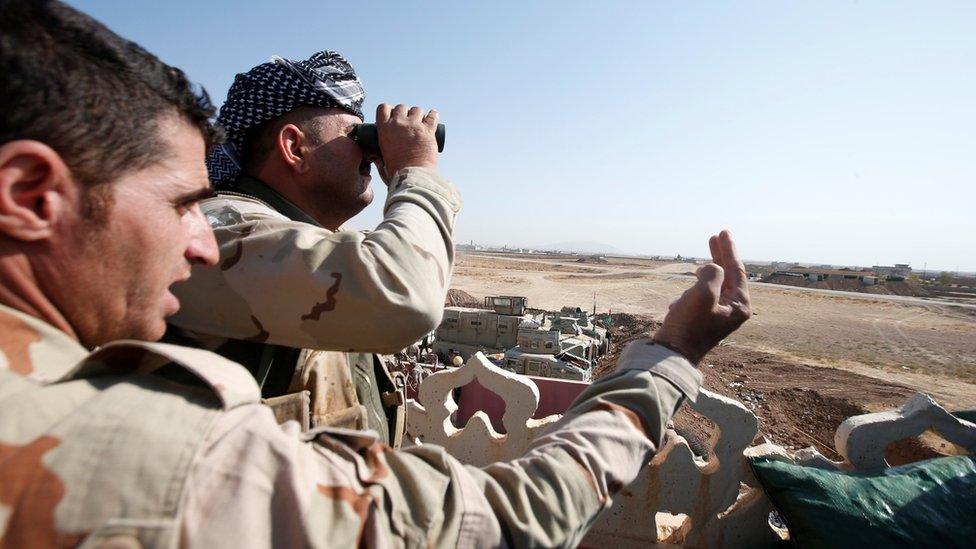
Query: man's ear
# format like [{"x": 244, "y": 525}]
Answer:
[
  {"x": 291, "y": 145},
  {"x": 33, "y": 183}
]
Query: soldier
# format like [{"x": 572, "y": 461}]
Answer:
[
  {"x": 149, "y": 444},
  {"x": 288, "y": 177}
]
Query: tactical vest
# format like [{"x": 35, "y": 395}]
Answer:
[
  {"x": 379, "y": 399},
  {"x": 103, "y": 456}
]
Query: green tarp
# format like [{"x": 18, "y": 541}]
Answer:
[{"x": 930, "y": 503}]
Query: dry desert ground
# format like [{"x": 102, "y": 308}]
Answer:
[{"x": 804, "y": 362}]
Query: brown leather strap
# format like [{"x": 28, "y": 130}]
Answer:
[
  {"x": 333, "y": 401},
  {"x": 353, "y": 417},
  {"x": 397, "y": 400},
  {"x": 292, "y": 407},
  {"x": 393, "y": 398}
]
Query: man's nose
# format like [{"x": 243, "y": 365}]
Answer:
[{"x": 202, "y": 247}]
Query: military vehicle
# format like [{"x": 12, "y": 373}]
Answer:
[
  {"x": 523, "y": 340},
  {"x": 574, "y": 316},
  {"x": 506, "y": 304}
]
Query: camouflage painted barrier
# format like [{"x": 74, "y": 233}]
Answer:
[{"x": 679, "y": 498}]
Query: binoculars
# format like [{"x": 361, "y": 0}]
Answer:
[{"x": 365, "y": 135}]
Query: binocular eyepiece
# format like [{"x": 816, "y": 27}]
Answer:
[{"x": 367, "y": 138}]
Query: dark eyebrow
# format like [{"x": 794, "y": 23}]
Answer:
[{"x": 196, "y": 196}]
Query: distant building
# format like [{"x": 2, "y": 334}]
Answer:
[
  {"x": 818, "y": 275},
  {"x": 900, "y": 271},
  {"x": 782, "y": 265}
]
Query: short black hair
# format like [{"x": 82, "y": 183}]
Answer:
[{"x": 94, "y": 97}]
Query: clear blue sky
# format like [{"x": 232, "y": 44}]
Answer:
[{"x": 830, "y": 132}]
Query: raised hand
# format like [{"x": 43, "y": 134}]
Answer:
[{"x": 713, "y": 308}]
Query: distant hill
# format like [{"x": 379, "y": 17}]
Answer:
[{"x": 582, "y": 247}]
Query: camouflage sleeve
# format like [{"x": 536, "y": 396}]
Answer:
[
  {"x": 290, "y": 283},
  {"x": 344, "y": 489},
  {"x": 551, "y": 495}
]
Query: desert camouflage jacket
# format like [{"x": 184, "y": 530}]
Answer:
[
  {"x": 292, "y": 282},
  {"x": 285, "y": 283},
  {"x": 152, "y": 441},
  {"x": 99, "y": 447}
]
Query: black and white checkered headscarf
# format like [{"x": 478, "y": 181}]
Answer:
[{"x": 274, "y": 88}]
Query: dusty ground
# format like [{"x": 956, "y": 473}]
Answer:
[
  {"x": 806, "y": 361},
  {"x": 798, "y": 405}
]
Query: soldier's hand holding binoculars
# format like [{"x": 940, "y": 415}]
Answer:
[{"x": 406, "y": 138}]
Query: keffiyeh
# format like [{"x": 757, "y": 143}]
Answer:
[{"x": 274, "y": 88}]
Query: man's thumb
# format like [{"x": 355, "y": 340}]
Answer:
[{"x": 712, "y": 276}]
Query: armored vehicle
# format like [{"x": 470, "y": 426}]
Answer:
[
  {"x": 506, "y": 304},
  {"x": 464, "y": 331},
  {"x": 549, "y": 353},
  {"x": 588, "y": 327},
  {"x": 543, "y": 344}
]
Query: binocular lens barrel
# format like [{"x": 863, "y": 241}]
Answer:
[{"x": 365, "y": 135}]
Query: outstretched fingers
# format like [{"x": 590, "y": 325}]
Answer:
[
  {"x": 724, "y": 256},
  {"x": 716, "y": 251},
  {"x": 735, "y": 271},
  {"x": 737, "y": 294}
]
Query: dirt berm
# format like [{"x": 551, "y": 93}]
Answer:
[
  {"x": 460, "y": 298},
  {"x": 798, "y": 405}
]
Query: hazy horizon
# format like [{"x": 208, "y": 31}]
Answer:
[
  {"x": 835, "y": 132},
  {"x": 752, "y": 260}
]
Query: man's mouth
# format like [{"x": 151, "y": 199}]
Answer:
[
  {"x": 183, "y": 277},
  {"x": 173, "y": 302},
  {"x": 364, "y": 167}
]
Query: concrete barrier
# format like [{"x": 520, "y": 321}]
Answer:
[{"x": 679, "y": 498}]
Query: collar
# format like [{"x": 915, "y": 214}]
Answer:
[
  {"x": 35, "y": 349},
  {"x": 255, "y": 188}
]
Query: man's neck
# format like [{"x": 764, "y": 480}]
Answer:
[
  {"x": 289, "y": 202},
  {"x": 19, "y": 290}
]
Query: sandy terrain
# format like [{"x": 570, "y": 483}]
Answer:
[{"x": 911, "y": 346}]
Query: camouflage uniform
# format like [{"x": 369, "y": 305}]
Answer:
[
  {"x": 285, "y": 283},
  {"x": 163, "y": 444}
]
